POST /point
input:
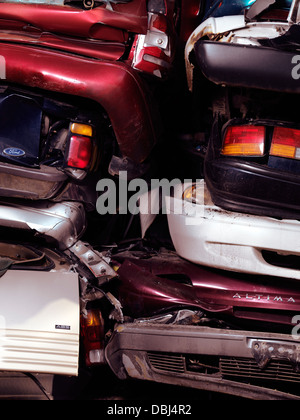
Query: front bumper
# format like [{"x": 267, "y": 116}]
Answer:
[
  {"x": 167, "y": 354},
  {"x": 208, "y": 235},
  {"x": 34, "y": 184}
]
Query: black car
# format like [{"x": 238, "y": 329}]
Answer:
[{"x": 243, "y": 71}]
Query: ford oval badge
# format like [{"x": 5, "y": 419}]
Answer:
[{"x": 14, "y": 152}]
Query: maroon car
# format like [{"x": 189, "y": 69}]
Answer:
[
  {"x": 75, "y": 91},
  {"x": 202, "y": 328}
]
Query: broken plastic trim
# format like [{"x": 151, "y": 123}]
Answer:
[
  {"x": 261, "y": 5},
  {"x": 258, "y": 7}
]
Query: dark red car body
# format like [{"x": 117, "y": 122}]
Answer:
[
  {"x": 45, "y": 47},
  {"x": 150, "y": 286},
  {"x": 85, "y": 53},
  {"x": 202, "y": 328}
]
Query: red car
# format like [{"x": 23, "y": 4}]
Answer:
[{"x": 73, "y": 98}]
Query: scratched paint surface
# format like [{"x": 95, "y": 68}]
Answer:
[{"x": 57, "y": 2}]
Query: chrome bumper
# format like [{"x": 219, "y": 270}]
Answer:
[{"x": 63, "y": 223}]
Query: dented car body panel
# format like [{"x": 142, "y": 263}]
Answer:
[
  {"x": 131, "y": 17},
  {"x": 159, "y": 284},
  {"x": 65, "y": 63},
  {"x": 62, "y": 224},
  {"x": 73, "y": 53},
  {"x": 100, "y": 81}
]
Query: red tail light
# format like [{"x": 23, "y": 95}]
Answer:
[
  {"x": 151, "y": 53},
  {"x": 286, "y": 143},
  {"x": 92, "y": 334},
  {"x": 80, "y": 152},
  {"x": 245, "y": 140}
]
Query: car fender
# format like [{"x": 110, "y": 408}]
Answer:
[{"x": 114, "y": 85}]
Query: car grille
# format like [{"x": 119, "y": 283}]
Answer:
[
  {"x": 240, "y": 369},
  {"x": 167, "y": 362},
  {"x": 278, "y": 370}
]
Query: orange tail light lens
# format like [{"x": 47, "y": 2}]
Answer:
[
  {"x": 245, "y": 140},
  {"x": 286, "y": 143},
  {"x": 81, "y": 129}
]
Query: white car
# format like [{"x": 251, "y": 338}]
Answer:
[
  {"x": 206, "y": 234},
  {"x": 48, "y": 332}
]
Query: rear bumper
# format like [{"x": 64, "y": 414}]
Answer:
[
  {"x": 34, "y": 184},
  {"x": 240, "y": 65},
  {"x": 208, "y": 235},
  {"x": 251, "y": 188},
  {"x": 161, "y": 353}
]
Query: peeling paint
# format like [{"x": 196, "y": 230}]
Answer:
[{"x": 135, "y": 367}]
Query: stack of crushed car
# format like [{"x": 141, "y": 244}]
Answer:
[
  {"x": 242, "y": 218},
  {"x": 81, "y": 86}
]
